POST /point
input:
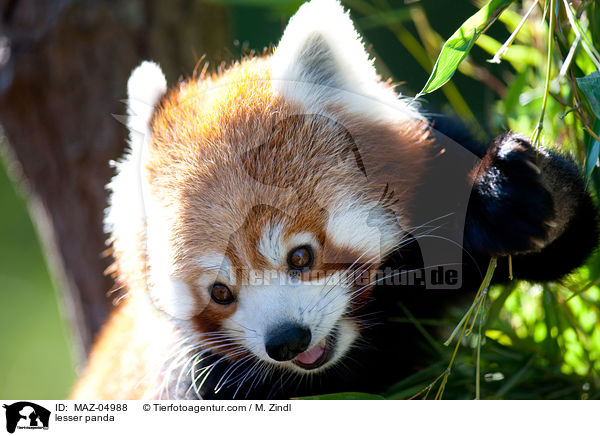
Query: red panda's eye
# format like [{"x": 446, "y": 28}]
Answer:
[
  {"x": 301, "y": 258},
  {"x": 221, "y": 294}
]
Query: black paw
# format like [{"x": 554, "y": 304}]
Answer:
[{"x": 510, "y": 210}]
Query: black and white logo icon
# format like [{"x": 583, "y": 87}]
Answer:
[{"x": 26, "y": 415}]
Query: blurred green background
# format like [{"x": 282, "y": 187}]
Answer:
[
  {"x": 536, "y": 342},
  {"x": 35, "y": 361}
]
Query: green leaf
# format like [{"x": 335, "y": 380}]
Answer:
[
  {"x": 592, "y": 159},
  {"x": 457, "y": 47},
  {"x": 590, "y": 86},
  {"x": 344, "y": 396},
  {"x": 593, "y": 151},
  {"x": 453, "y": 53}
]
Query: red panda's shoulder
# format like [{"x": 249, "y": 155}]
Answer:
[{"x": 125, "y": 362}]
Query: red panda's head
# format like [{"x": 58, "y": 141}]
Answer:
[{"x": 256, "y": 204}]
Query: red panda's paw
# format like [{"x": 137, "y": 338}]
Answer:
[{"x": 511, "y": 210}]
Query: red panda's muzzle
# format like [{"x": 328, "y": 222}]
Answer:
[{"x": 291, "y": 343}]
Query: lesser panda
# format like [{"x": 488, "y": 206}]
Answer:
[{"x": 256, "y": 206}]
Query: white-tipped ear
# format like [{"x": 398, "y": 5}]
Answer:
[
  {"x": 320, "y": 45},
  {"x": 146, "y": 85},
  {"x": 321, "y": 54},
  {"x": 126, "y": 213}
]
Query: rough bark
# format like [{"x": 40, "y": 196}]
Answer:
[{"x": 63, "y": 71}]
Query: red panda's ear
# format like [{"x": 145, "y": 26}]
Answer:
[
  {"x": 125, "y": 215},
  {"x": 321, "y": 58},
  {"x": 145, "y": 87},
  {"x": 320, "y": 45}
]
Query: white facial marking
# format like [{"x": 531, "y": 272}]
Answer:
[
  {"x": 364, "y": 229},
  {"x": 299, "y": 239},
  {"x": 270, "y": 245},
  {"x": 217, "y": 263},
  {"x": 318, "y": 306},
  {"x": 217, "y": 268}
]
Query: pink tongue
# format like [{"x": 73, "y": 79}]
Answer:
[{"x": 311, "y": 356}]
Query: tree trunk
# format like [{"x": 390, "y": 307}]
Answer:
[{"x": 64, "y": 65}]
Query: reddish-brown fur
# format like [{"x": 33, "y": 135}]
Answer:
[{"x": 220, "y": 146}]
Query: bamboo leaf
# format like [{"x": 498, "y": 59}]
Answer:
[
  {"x": 590, "y": 86},
  {"x": 592, "y": 159},
  {"x": 593, "y": 152},
  {"x": 458, "y": 46}
]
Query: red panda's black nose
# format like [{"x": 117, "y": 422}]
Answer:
[{"x": 287, "y": 341}]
